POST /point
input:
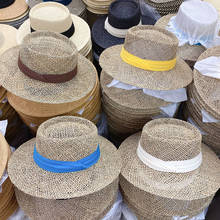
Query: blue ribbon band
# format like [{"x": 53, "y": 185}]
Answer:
[
  {"x": 64, "y": 2},
  {"x": 57, "y": 166}
]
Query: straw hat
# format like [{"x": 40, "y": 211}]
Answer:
[
  {"x": 11, "y": 9},
  {"x": 76, "y": 7},
  {"x": 111, "y": 30},
  {"x": 144, "y": 46},
  {"x": 98, "y": 7},
  {"x": 55, "y": 17},
  {"x": 167, "y": 165},
  {"x": 80, "y": 140},
  {"x": 56, "y": 58}
]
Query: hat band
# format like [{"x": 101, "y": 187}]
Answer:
[
  {"x": 6, "y": 3},
  {"x": 48, "y": 78},
  {"x": 64, "y": 2},
  {"x": 152, "y": 65},
  {"x": 57, "y": 166},
  {"x": 116, "y": 32},
  {"x": 69, "y": 33},
  {"x": 181, "y": 166}
]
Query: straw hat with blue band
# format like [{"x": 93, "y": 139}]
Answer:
[
  {"x": 147, "y": 60},
  {"x": 67, "y": 159}
]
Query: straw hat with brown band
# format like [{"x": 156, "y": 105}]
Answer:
[{"x": 167, "y": 164}]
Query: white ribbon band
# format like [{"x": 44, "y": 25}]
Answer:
[
  {"x": 182, "y": 166},
  {"x": 121, "y": 33}
]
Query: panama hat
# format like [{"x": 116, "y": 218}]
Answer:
[
  {"x": 111, "y": 30},
  {"x": 76, "y": 7},
  {"x": 147, "y": 60},
  {"x": 51, "y": 71},
  {"x": 68, "y": 139},
  {"x": 55, "y": 17},
  {"x": 167, "y": 164}
]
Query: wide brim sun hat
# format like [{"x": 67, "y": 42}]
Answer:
[
  {"x": 69, "y": 133},
  {"x": 155, "y": 49},
  {"x": 20, "y": 84}
]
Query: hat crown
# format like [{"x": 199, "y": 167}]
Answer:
[
  {"x": 50, "y": 16},
  {"x": 66, "y": 138},
  {"x": 124, "y": 14},
  {"x": 48, "y": 53},
  {"x": 151, "y": 43},
  {"x": 171, "y": 140}
]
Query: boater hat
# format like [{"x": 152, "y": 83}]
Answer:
[
  {"x": 67, "y": 159},
  {"x": 147, "y": 60},
  {"x": 47, "y": 68},
  {"x": 55, "y": 17}
]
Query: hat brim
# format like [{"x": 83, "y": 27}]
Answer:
[
  {"x": 81, "y": 36},
  {"x": 186, "y": 52},
  {"x": 31, "y": 179},
  {"x": 16, "y": 82},
  {"x": 111, "y": 62},
  {"x": 15, "y": 10},
  {"x": 197, "y": 184}
]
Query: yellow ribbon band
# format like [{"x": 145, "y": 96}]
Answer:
[{"x": 152, "y": 65}]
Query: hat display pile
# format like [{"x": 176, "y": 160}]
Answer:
[
  {"x": 132, "y": 93},
  {"x": 165, "y": 7},
  {"x": 13, "y": 12},
  {"x": 55, "y": 17},
  {"x": 46, "y": 190},
  {"x": 47, "y": 77},
  {"x": 76, "y": 7},
  {"x": 167, "y": 172},
  {"x": 202, "y": 108}
]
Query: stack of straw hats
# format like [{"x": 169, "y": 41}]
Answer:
[
  {"x": 202, "y": 108},
  {"x": 167, "y": 172},
  {"x": 8, "y": 203},
  {"x": 55, "y": 17},
  {"x": 133, "y": 93},
  {"x": 13, "y": 12},
  {"x": 47, "y": 191},
  {"x": 50, "y": 79},
  {"x": 165, "y": 7},
  {"x": 76, "y": 7}
]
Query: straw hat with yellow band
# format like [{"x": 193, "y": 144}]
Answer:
[{"x": 147, "y": 60}]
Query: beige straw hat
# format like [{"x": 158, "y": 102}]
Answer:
[
  {"x": 55, "y": 17},
  {"x": 68, "y": 139},
  {"x": 167, "y": 160},
  {"x": 47, "y": 68},
  {"x": 146, "y": 51}
]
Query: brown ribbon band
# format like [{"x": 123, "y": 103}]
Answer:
[{"x": 48, "y": 78}]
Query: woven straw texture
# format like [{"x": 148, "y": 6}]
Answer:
[
  {"x": 152, "y": 43},
  {"x": 200, "y": 183},
  {"x": 43, "y": 45},
  {"x": 93, "y": 206},
  {"x": 189, "y": 53},
  {"x": 69, "y": 139}
]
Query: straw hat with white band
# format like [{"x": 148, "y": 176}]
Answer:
[
  {"x": 168, "y": 164},
  {"x": 55, "y": 17}
]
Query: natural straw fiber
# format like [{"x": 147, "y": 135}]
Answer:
[{"x": 69, "y": 139}]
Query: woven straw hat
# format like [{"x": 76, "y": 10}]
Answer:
[
  {"x": 55, "y": 17},
  {"x": 170, "y": 140},
  {"x": 56, "y": 58},
  {"x": 68, "y": 139},
  {"x": 189, "y": 53},
  {"x": 13, "y": 10},
  {"x": 147, "y": 43}
]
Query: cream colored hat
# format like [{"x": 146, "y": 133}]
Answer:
[
  {"x": 88, "y": 163},
  {"x": 55, "y": 17},
  {"x": 147, "y": 60}
]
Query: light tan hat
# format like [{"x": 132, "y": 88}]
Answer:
[
  {"x": 63, "y": 139},
  {"x": 55, "y": 17},
  {"x": 147, "y": 60},
  {"x": 47, "y": 68},
  {"x": 167, "y": 160}
]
